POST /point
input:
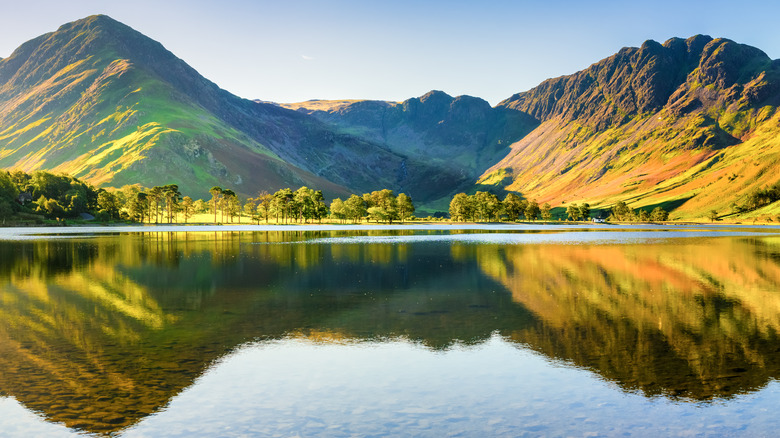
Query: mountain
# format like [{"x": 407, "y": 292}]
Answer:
[
  {"x": 102, "y": 102},
  {"x": 675, "y": 124},
  {"x": 463, "y": 134}
]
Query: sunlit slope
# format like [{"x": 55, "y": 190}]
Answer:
[
  {"x": 683, "y": 123},
  {"x": 320, "y": 105},
  {"x": 105, "y": 103}
]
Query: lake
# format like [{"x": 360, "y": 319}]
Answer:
[{"x": 525, "y": 330}]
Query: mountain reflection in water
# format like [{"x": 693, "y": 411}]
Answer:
[{"x": 98, "y": 333}]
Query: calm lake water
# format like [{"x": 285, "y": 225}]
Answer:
[{"x": 389, "y": 331}]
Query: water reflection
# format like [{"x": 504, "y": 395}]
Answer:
[
  {"x": 98, "y": 333},
  {"x": 697, "y": 320}
]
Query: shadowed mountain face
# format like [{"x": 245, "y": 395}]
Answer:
[
  {"x": 463, "y": 134},
  {"x": 101, "y": 101},
  {"x": 99, "y": 333}
]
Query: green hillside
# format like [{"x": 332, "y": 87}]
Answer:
[{"x": 98, "y": 100}]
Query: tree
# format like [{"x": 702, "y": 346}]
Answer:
[
  {"x": 384, "y": 204},
  {"x": 546, "y": 211},
  {"x": 138, "y": 207},
  {"x": 49, "y": 185},
  {"x": 320, "y": 209},
  {"x": 231, "y": 205},
  {"x": 108, "y": 204},
  {"x": 250, "y": 209},
  {"x": 264, "y": 200},
  {"x": 522, "y": 207},
  {"x": 154, "y": 196},
  {"x": 585, "y": 211},
  {"x": 573, "y": 211},
  {"x": 405, "y": 206},
  {"x": 659, "y": 215},
  {"x": 368, "y": 201},
  {"x": 304, "y": 204},
  {"x": 621, "y": 211},
  {"x": 172, "y": 198},
  {"x": 19, "y": 179},
  {"x": 461, "y": 208},
  {"x": 338, "y": 209},
  {"x": 8, "y": 188},
  {"x": 713, "y": 215},
  {"x": 200, "y": 206},
  {"x": 378, "y": 214},
  {"x": 283, "y": 200},
  {"x": 52, "y": 208},
  {"x": 187, "y": 208},
  {"x": 512, "y": 206},
  {"x": 532, "y": 211},
  {"x": 77, "y": 202},
  {"x": 486, "y": 205},
  {"x": 644, "y": 216},
  {"x": 216, "y": 196},
  {"x": 5, "y": 210},
  {"x": 356, "y": 208}
]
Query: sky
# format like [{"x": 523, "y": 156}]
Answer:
[{"x": 296, "y": 50}]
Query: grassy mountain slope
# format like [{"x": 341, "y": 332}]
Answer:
[
  {"x": 101, "y": 101},
  {"x": 679, "y": 124}
]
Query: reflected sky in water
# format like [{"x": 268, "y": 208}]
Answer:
[{"x": 300, "y": 388}]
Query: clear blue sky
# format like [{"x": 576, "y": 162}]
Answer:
[{"x": 294, "y": 50}]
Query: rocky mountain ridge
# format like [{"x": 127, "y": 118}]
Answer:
[{"x": 670, "y": 124}]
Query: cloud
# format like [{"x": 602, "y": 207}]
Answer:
[{"x": 307, "y": 58}]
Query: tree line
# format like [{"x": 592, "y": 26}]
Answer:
[
  {"x": 487, "y": 207},
  {"x": 622, "y": 212},
  {"x": 757, "y": 198},
  {"x": 60, "y": 196}
]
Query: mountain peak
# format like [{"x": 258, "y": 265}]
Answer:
[
  {"x": 97, "y": 19},
  {"x": 435, "y": 96},
  {"x": 96, "y": 27},
  {"x": 642, "y": 80},
  {"x": 97, "y": 39},
  {"x": 697, "y": 42}
]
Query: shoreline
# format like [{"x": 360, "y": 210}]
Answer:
[{"x": 7, "y": 233}]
